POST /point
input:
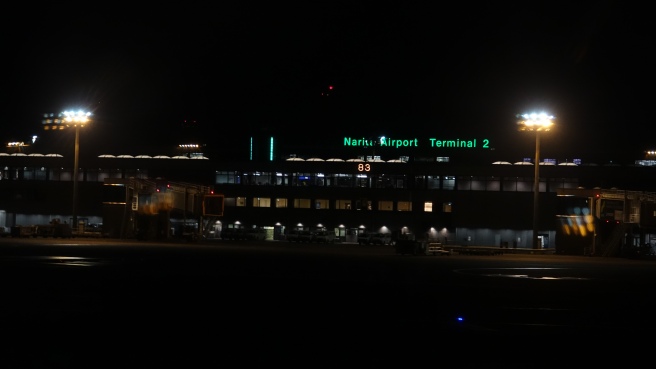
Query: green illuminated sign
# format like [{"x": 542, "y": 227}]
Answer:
[{"x": 416, "y": 142}]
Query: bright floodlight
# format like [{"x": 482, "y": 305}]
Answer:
[
  {"x": 76, "y": 118},
  {"x": 535, "y": 122}
]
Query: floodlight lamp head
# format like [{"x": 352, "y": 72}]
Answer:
[{"x": 539, "y": 122}]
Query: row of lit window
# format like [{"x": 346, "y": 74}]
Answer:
[
  {"x": 382, "y": 205},
  {"x": 473, "y": 183}
]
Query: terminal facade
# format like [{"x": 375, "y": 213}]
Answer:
[{"x": 583, "y": 209}]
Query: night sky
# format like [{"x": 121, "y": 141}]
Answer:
[{"x": 213, "y": 74}]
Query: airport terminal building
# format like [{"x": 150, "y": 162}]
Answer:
[{"x": 593, "y": 209}]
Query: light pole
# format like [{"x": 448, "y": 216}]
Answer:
[
  {"x": 536, "y": 122},
  {"x": 75, "y": 119}
]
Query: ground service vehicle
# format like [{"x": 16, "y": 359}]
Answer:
[
  {"x": 381, "y": 239},
  {"x": 364, "y": 238},
  {"x": 323, "y": 237},
  {"x": 230, "y": 233},
  {"x": 296, "y": 235}
]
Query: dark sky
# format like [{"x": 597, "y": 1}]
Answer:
[{"x": 398, "y": 69}]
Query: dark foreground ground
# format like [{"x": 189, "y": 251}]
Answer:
[{"x": 104, "y": 303}]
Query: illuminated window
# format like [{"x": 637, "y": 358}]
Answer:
[
  {"x": 343, "y": 204},
  {"x": 261, "y": 202},
  {"x": 362, "y": 181},
  {"x": 343, "y": 180},
  {"x": 92, "y": 175},
  {"x": 446, "y": 207},
  {"x": 399, "y": 181},
  {"x": 404, "y": 206},
  {"x": 449, "y": 183},
  {"x": 240, "y": 201},
  {"x": 428, "y": 206},
  {"x": 281, "y": 179},
  {"x": 113, "y": 173},
  {"x": 302, "y": 203},
  {"x": 493, "y": 184},
  {"x": 363, "y": 204},
  {"x": 302, "y": 179},
  {"x": 322, "y": 204},
  {"x": 384, "y": 182},
  {"x": 385, "y": 205},
  {"x": 281, "y": 203},
  {"x": 102, "y": 174},
  {"x": 433, "y": 182},
  {"x": 526, "y": 184}
]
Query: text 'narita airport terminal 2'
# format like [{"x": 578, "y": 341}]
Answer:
[{"x": 415, "y": 142}]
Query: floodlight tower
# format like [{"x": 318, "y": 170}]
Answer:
[
  {"x": 535, "y": 122},
  {"x": 70, "y": 119}
]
